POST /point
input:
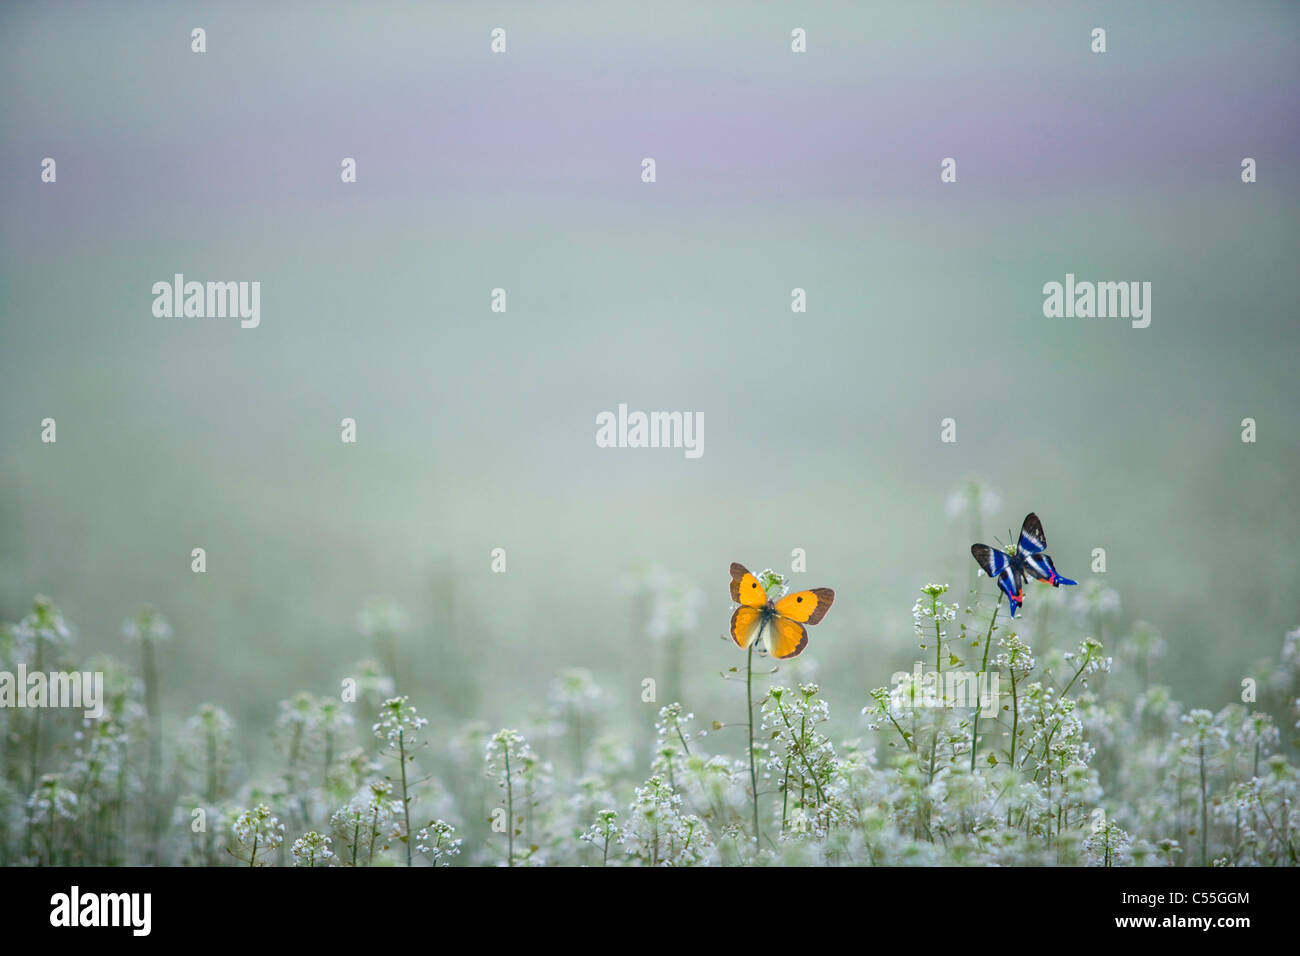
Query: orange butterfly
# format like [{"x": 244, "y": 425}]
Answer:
[{"x": 779, "y": 623}]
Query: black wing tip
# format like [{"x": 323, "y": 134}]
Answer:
[
  {"x": 983, "y": 556},
  {"x": 1034, "y": 526}
]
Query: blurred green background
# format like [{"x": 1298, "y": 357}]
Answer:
[{"x": 476, "y": 429}]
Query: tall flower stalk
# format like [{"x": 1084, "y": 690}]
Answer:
[
  {"x": 508, "y": 754},
  {"x": 984, "y": 666},
  {"x": 749, "y": 700},
  {"x": 397, "y": 726}
]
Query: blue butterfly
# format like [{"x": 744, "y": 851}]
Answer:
[{"x": 1009, "y": 567}]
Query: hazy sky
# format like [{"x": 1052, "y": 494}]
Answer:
[{"x": 522, "y": 171}]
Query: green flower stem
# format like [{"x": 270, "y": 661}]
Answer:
[
  {"x": 984, "y": 664},
  {"x": 749, "y": 700},
  {"x": 802, "y": 756},
  {"x": 510, "y": 810},
  {"x": 406, "y": 800}
]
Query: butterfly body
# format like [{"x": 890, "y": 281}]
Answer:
[
  {"x": 778, "y": 623},
  {"x": 1025, "y": 559}
]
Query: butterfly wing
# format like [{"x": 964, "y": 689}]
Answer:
[
  {"x": 745, "y": 589},
  {"x": 1032, "y": 538},
  {"x": 806, "y": 607},
  {"x": 991, "y": 560},
  {"x": 746, "y": 623},
  {"x": 1012, "y": 583},
  {"x": 999, "y": 567},
  {"x": 1041, "y": 567},
  {"x": 785, "y": 638}
]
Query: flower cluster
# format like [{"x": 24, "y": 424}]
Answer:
[
  {"x": 255, "y": 831},
  {"x": 1076, "y": 759}
]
